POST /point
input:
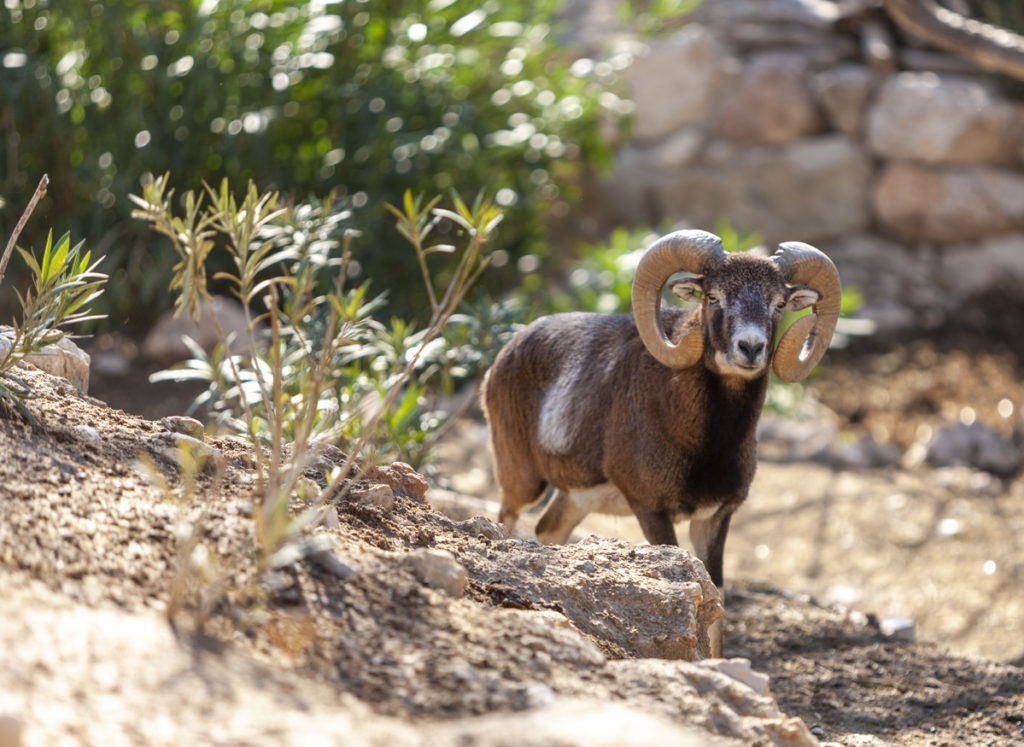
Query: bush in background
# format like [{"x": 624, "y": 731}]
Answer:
[{"x": 366, "y": 98}]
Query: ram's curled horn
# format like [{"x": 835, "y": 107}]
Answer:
[
  {"x": 696, "y": 252},
  {"x": 806, "y": 341}
]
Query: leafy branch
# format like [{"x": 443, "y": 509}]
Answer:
[
  {"x": 415, "y": 223},
  {"x": 313, "y": 369},
  {"x": 64, "y": 285}
]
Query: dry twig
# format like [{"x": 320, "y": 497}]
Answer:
[{"x": 36, "y": 197}]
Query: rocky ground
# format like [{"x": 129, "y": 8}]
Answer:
[{"x": 407, "y": 625}]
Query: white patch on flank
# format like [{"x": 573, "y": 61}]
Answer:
[{"x": 557, "y": 423}]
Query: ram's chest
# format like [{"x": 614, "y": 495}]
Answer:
[
  {"x": 711, "y": 476},
  {"x": 684, "y": 477},
  {"x": 710, "y": 462},
  {"x": 723, "y": 463}
]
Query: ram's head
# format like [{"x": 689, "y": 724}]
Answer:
[{"x": 742, "y": 297}]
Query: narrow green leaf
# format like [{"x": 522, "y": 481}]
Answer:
[
  {"x": 394, "y": 211},
  {"x": 44, "y": 269},
  {"x": 460, "y": 206},
  {"x": 410, "y": 204},
  {"x": 430, "y": 207},
  {"x": 455, "y": 218},
  {"x": 30, "y": 260},
  {"x": 492, "y": 223}
]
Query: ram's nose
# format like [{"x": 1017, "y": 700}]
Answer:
[{"x": 751, "y": 348}]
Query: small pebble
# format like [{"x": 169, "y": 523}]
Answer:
[
  {"x": 172, "y": 453},
  {"x": 377, "y": 495},
  {"x": 741, "y": 671},
  {"x": 186, "y": 425},
  {"x": 439, "y": 569},
  {"x": 87, "y": 433},
  {"x": 900, "y": 628},
  {"x": 402, "y": 479},
  {"x": 481, "y": 526}
]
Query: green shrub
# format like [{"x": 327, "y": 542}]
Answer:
[
  {"x": 324, "y": 368},
  {"x": 64, "y": 286},
  {"x": 366, "y": 98}
]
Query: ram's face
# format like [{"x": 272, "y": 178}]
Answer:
[{"x": 742, "y": 303}]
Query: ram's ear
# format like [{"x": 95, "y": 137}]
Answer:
[
  {"x": 691, "y": 289},
  {"x": 800, "y": 297}
]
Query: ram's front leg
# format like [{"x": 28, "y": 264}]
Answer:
[
  {"x": 708, "y": 538},
  {"x": 656, "y": 525}
]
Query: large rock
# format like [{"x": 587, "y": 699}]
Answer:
[
  {"x": 807, "y": 15},
  {"x": 770, "y": 104},
  {"x": 63, "y": 358},
  {"x": 844, "y": 92},
  {"x": 899, "y": 284},
  {"x": 808, "y": 190},
  {"x": 655, "y": 601},
  {"x": 977, "y": 446},
  {"x": 676, "y": 83},
  {"x": 969, "y": 270},
  {"x": 575, "y": 722},
  {"x": 920, "y": 203},
  {"x": 74, "y": 674},
  {"x": 878, "y": 266},
  {"x": 933, "y": 119},
  {"x": 164, "y": 343},
  {"x": 736, "y": 711},
  {"x": 641, "y": 169},
  {"x": 77, "y": 674}
]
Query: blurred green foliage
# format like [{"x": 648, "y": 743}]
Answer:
[
  {"x": 365, "y": 98},
  {"x": 601, "y": 279}
]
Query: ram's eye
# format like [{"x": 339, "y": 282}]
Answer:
[
  {"x": 711, "y": 297},
  {"x": 780, "y": 305}
]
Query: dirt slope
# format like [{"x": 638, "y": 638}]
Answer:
[{"x": 359, "y": 636}]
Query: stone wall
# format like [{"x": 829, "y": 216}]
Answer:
[{"x": 903, "y": 164}]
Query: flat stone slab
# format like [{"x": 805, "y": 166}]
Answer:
[{"x": 63, "y": 358}]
